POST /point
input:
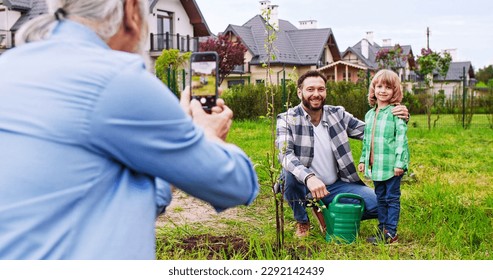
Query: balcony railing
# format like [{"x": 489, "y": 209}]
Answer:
[
  {"x": 168, "y": 41},
  {"x": 3, "y": 39}
]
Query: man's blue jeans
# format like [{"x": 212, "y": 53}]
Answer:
[
  {"x": 389, "y": 204},
  {"x": 295, "y": 193}
]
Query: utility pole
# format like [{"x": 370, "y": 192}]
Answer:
[
  {"x": 464, "y": 93},
  {"x": 428, "y": 38}
]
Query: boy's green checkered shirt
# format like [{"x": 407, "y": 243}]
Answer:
[{"x": 390, "y": 149}]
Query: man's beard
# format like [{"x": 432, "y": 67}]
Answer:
[{"x": 307, "y": 104}]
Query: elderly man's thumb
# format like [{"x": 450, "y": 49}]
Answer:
[{"x": 196, "y": 108}]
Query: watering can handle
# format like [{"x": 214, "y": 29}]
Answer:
[{"x": 350, "y": 195}]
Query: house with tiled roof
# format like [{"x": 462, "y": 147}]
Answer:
[
  {"x": 363, "y": 57},
  {"x": 295, "y": 49},
  {"x": 173, "y": 24},
  {"x": 453, "y": 83},
  {"x": 13, "y": 13}
]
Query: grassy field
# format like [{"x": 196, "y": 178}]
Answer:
[
  {"x": 446, "y": 205},
  {"x": 204, "y": 90}
]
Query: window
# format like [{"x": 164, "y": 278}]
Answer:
[
  {"x": 259, "y": 82},
  {"x": 240, "y": 68},
  {"x": 235, "y": 82},
  {"x": 164, "y": 25},
  {"x": 348, "y": 75},
  {"x": 324, "y": 57}
]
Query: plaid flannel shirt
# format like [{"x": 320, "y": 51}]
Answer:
[
  {"x": 390, "y": 148},
  {"x": 295, "y": 140}
]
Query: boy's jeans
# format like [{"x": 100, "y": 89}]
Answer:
[
  {"x": 389, "y": 204},
  {"x": 295, "y": 193}
]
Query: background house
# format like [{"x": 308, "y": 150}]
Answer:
[
  {"x": 173, "y": 24},
  {"x": 453, "y": 82},
  {"x": 306, "y": 47},
  {"x": 13, "y": 13},
  {"x": 364, "y": 54}
]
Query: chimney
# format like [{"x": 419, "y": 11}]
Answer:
[
  {"x": 263, "y": 7},
  {"x": 274, "y": 18},
  {"x": 386, "y": 42},
  {"x": 308, "y": 24},
  {"x": 369, "y": 37},
  {"x": 365, "y": 48},
  {"x": 271, "y": 11}
]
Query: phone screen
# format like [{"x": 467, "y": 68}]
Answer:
[{"x": 204, "y": 78}]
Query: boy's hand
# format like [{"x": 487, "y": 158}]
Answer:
[{"x": 398, "y": 171}]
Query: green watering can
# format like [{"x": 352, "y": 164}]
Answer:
[{"x": 342, "y": 219}]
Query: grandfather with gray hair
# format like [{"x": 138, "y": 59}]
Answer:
[{"x": 91, "y": 141}]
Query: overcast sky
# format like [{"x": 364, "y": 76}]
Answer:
[{"x": 465, "y": 25}]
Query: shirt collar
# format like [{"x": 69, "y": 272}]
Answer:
[
  {"x": 383, "y": 109},
  {"x": 68, "y": 30},
  {"x": 308, "y": 118}
]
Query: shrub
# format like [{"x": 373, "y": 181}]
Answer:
[
  {"x": 353, "y": 97},
  {"x": 249, "y": 101}
]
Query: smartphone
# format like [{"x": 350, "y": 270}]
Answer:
[{"x": 204, "y": 78}]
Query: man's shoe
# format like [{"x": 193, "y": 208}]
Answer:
[
  {"x": 302, "y": 229},
  {"x": 320, "y": 218}
]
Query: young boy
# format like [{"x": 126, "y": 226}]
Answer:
[{"x": 385, "y": 155}]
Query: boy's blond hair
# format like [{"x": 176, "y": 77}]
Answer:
[{"x": 389, "y": 78}]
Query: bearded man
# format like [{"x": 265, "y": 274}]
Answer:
[{"x": 314, "y": 151}]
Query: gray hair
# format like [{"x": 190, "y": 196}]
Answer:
[{"x": 103, "y": 16}]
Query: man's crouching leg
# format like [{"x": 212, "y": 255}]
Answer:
[{"x": 295, "y": 193}]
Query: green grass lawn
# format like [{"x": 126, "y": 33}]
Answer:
[
  {"x": 446, "y": 203},
  {"x": 204, "y": 90}
]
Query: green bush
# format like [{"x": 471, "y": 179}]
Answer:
[
  {"x": 412, "y": 103},
  {"x": 249, "y": 102},
  {"x": 353, "y": 97}
]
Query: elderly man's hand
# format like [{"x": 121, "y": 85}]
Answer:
[{"x": 216, "y": 125}]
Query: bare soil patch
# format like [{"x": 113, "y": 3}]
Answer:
[{"x": 185, "y": 209}]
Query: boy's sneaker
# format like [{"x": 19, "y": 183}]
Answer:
[
  {"x": 389, "y": 239},
  {"x": 385, "y": 238}
]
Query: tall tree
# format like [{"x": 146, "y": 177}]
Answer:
[
  {"x": 485, "y": 74},
  {"x": 429, "y": 62},
  {"x": 231, "y": 53},
  {"x": 391, "y": 58}
]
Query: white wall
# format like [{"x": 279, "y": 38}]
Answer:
[
  {"x": 328, "y": 55},
  {"x": 449, "y": 88},
  {"x": 7, "y": 20},
  {"x": 181, "y": 21}
]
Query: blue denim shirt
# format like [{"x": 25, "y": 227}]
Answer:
[{"x": 89, "y": 144}]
